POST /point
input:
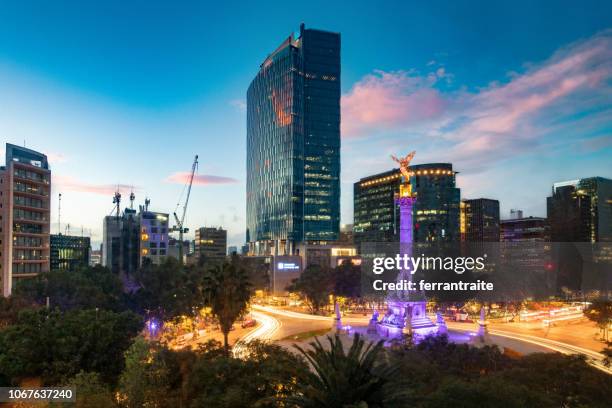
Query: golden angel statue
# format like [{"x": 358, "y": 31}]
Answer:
[{"x": 404, "y": 163}]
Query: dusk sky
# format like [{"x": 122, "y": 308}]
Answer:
[{"x": 516, "y": 95}]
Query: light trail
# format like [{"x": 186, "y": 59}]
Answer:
[
  {"x": 266, "y": 330},
  {"x": 593, "y": 358}
]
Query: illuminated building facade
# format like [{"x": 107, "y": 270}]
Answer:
[
  {"x": 293, "y": 145},
  {"x": 211, "y": 243},
  {"x": 69, "y": 252},
  {"x": 435, "y": 213},
  {"x": 153, "y": 237},
  {"x": 133, "y": 239},
  {"x": 581, "y": 210},
  {"x": 479, "y": 220},
  {"x": 25, "y": 186}
]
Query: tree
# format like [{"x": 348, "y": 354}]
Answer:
[
  {"x": 56, "y": 346},
  {"x": 340, "y": 379},
  {"x": 83, "y": 288},
  {"x": 347, "y": 280},
  {"x": 91, "y": 391},
  {"x": 10, "y": 308},
  {"x": 153, "y": 375},
  {"x": 600, "y": 312},
  {"x": 227, "y": 291},
  {"x": 169, "y": 290},
  {"x": 315, "y": 285},
  {"x": 265, "y": 376}
]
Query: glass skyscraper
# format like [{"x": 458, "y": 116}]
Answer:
[{"x": 293, "y": 145}]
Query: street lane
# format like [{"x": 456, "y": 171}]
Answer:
[{"x": 293, "y": 323}]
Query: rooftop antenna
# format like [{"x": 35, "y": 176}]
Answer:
[
  {"x": 59, "y": 215},
  {"x": 147, "y": 202},
  {"x": 117, "y": 201},
  {"x": 132, "y": 198}
]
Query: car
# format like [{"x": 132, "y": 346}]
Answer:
[{"x": 249, "y": 323}]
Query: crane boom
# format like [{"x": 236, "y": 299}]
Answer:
[{"x": 180, "y": 222}]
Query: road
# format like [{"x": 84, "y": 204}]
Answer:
[{"x": 279, "y": 324}]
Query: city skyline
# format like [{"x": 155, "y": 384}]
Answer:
[{"x": 131, "y": 107}]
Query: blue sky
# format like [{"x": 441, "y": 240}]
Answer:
[{"x": 515, "y": 94}]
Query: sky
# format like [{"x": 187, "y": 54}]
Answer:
[{"x": 517, "y": 95}]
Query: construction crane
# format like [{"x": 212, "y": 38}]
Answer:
[{"x": 180, "y": 227}]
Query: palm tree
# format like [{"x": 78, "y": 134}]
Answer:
[
  {"x": 227, "y": 291},
  {"x": 341, "y": 379}
]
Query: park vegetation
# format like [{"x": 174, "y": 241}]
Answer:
[{"x": 82, "y": 329}]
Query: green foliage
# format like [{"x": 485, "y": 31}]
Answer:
[
  {"x": 486, "y": 392},
  {"x": 266, "y": 376},
  {"x": 91, "y": 391},
  {"x": 227, "y": 291},
  {"x": 315, "y": 284},
  {"x": 10, "y": 308},
  {"x": 152, "y": 376},
  {"x": 84, "y": 288},
  {"x": 443, "y": 374},
  {"x": 169, "y": 290},
  {"x": 57, "y": 345},
  {"x": 600, "y": 312},
  {"x": 347, "y": 280},
  {"x": 357, "y": 377}
]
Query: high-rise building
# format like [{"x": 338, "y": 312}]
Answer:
[
  {"x": 479, "y": 220},
  {"x": 153, "y": 236},
  {"x": 25, "y": 186},
  {"x": 579, "y": 213},
  {"x": 132, "y": 239},
  {"x": 581, "y": 210},
  {"x": 436, "y": 210},
  {"x": 211, "y": 243},
  {"x": 293, "y": 145},
  {"x": 96, "y": 257},
  {"x": 69, "y": 252}
]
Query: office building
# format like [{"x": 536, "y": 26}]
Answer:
[
  {"x": 581, "y": 210},
  {"x": 232, "y": 250},
  {"x": 528, "y": 229},
  {"x": 293, "y": 145},
  {"x": 579, "y": 213},
  {"x": 211, "y": 244},
  {"x": 174, "y": 249},
  {"x": 133, "y": 239},
  {"x": 436, "y": 210},
  {"x": 96, "y": 257},
  {"x": 69, "y": 252},
  {"x": 25, "y": 186},
  {"x": 153, "y": 236},
  {"x": 479, "y": 220}
]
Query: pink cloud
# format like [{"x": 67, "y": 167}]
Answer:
[
  {"x": 68, "y": 183},
  {"x": 386, "y": 100},
  {"x": 199, "y": 179},
  {"x": 473, "y": 128}
]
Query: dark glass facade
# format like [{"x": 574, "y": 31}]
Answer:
[
  {"x": 293, "y": 145},
  {"x": 581, "y": 210},
  {"x": 479, "y": 220},
  {"x": 530, "y": 229},
  {"x": 436, "y": 210},
  {"x": 69, "y": 252}
]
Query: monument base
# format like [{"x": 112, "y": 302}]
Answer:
[{"x": 394, "y": 324}]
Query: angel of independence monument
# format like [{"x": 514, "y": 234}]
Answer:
[{"x": 406, "y": 313}]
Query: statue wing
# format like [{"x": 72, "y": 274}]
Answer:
[{"x": 395, "y": 159}]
